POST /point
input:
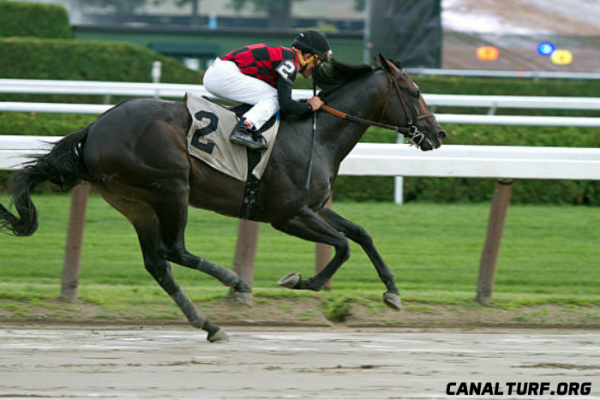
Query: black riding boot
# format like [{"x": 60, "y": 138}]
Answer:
[{"x": 243, "y": 135}]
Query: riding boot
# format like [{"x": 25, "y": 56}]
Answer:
[{"x": 244, "y": 135}]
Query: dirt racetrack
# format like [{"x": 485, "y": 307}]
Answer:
[{"x": 259, "y": 363}]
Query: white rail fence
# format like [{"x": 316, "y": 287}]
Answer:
[
  {"x": 66, "y": 108},
  {"x": 463, "y": 161},
  {"x": 135, "y": 89},
  {"x": 377, "y": 159},
  {"x": 139, "y": 89}
]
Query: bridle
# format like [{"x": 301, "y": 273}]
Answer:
[{"x": 411, "y": 131}]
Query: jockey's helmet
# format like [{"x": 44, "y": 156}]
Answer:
[{"x": 313, "y": 42}]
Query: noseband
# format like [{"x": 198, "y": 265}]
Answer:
[{"x": 411, "y": 131}]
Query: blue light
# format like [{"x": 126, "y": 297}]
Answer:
[{"x": 546, "y": 49}]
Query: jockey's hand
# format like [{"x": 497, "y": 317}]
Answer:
[{"x": 315, "y": 102}]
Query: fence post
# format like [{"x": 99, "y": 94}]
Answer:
[
  {"x": 399, "y": 190},
  {"x": 156, "y": 74},
  {"x": 399, "y": 180},
  {"x": 491, "y": 249},
  {"x": 323, "y": 254},
  {"x": 245, "y": 250},
  {"x": 70, "y": 274}
]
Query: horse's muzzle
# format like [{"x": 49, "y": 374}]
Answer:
[{"x": 433, "y": 136}]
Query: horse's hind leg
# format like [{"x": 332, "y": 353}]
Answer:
[
  {"x": 160, "y": 269},
  {"x": 172, "y": 212},
  {"x": 307, "y": 225},
  {"x": 358, "y": 234},
  {"x": 146, "y": 225}
]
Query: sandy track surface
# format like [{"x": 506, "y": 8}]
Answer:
[{"x": 288, "y": 364}]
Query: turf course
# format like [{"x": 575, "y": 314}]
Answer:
[{"x": 549, "y": 254}]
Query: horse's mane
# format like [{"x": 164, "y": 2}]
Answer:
[{"x": 334, "y": 74}]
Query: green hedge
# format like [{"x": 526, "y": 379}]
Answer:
[
  {"x": 75, "y": 60},
  {"x": 83, "y": 60},
  {"x": 42, "y": 124},
  {"x": 505, "y": 86},
  {"x": 33, "y": 20},
  {"x": 86, "y": 60}
]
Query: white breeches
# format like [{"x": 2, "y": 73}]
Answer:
[{"x": 225, "y": 80}]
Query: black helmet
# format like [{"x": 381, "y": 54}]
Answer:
[{"x": 313, "y": 42}]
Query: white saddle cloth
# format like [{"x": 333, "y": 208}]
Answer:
[{"x": 208, "y": 139}]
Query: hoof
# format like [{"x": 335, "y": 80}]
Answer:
[
  {"x": 392, "y": 300},
  {"x": 218, "y": 336},
  {"x": 291, "y": 280},
  {"x": 243, "y": 297}
]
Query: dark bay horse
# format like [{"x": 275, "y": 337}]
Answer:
[{"x": 135, "y": 156}]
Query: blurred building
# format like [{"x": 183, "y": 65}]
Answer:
[{"x": 430, "y": 33}]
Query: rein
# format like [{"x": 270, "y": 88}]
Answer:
[{"x": 411, "y": 132}]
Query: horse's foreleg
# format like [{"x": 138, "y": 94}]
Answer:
[
  {"x": 358, "y": 234},
  {"x": 307, "y": 225}
]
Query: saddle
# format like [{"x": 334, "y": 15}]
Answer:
[{"x": 208, "y": 141}]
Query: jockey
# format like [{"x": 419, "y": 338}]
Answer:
[{"x": 262, "y": 75}]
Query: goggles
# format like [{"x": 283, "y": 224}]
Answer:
[{"x": 318, "y": 60}]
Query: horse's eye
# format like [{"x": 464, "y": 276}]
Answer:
[{"x": 416, "y": 94}]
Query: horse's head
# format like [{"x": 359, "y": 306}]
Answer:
[{"x": 406, "y": 108}]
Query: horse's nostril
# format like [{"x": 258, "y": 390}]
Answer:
[{"x": 441, "y": 135}]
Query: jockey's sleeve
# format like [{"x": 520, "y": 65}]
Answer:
[{"x": 286, "y": 103}]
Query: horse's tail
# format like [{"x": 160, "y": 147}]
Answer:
[{"x": 63, "y": 166}]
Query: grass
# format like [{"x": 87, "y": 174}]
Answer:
[{"x": 549, "y": 254}]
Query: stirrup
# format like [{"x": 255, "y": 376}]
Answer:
[
  {"x": 258, "y": 143},
  {"x": 259, "y": 138}
]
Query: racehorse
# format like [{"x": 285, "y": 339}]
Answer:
[{"x": 135, "y": 156}]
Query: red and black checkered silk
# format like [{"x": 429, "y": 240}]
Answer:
[{"x": 261, "y": 60}]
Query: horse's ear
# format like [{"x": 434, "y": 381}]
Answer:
[
  {"x": 394, "y": 70},
  {"x": 377, "y": 60},
  {"x": 384, "y": 64}
]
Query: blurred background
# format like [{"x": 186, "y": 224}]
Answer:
[{"x": 545, "y": 35}]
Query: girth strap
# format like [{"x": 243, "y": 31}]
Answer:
[{"x": 248, "y": 209}]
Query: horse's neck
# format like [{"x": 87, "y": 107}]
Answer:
[{"x": 367, "y": 102}]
